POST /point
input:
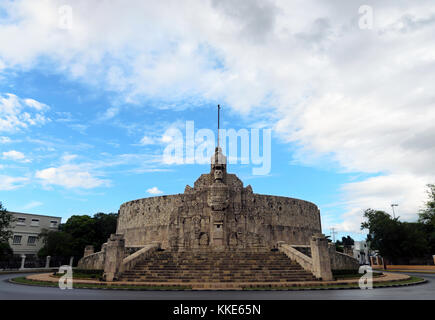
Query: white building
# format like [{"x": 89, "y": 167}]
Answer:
[
  {"x": 26, "y": 230},
  {"x": 361, "y": 252}
]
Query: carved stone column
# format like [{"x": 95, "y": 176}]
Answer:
[
  {"x": 320, "y": 256},
  {"x": 115, "y": 252},
  {"x": 218, "y": 202}
]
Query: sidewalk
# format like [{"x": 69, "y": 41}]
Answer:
[{"x": 26, "y": 270}]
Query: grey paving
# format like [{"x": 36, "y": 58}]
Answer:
[{"x": 22, "y": 292}]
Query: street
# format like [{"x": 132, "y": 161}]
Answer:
[{"x": 9, "y": 291}]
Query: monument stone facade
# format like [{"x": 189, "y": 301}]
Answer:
[{"x": 218, "y": 213}]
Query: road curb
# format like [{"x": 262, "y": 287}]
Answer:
[{"x": 343, "y": 288}]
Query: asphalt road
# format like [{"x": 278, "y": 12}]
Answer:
[{"x": 10, "y": 291}]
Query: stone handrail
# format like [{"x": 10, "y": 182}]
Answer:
[
  {"x": 342, "y": 261},
  {"x": 305, "y": 261},
  {"x": 132, "y": 260},
  {"x": 94, "y": 261}
]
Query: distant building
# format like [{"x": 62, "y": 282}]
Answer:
[
  {"x": 26, "y": 230},
  {"x": 361, "y": 252}
]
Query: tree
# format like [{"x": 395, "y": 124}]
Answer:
[
  {"x": 105, "y": 225},
  {"x": 5, "y": 250},
  {"x": 56, "y": 244},
  {"x": 6, "y": 219},
  {"x": 395, "y": 240},
  {"x": 347, "y": 241},
  {"x": 78, "y": 232},
  {"x": 82, "y": 230},
  {"x": 427, "y": 217},
  {"x": 427, "y": 214}
]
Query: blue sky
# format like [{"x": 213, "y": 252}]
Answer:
[{"x": 85, "y": 106}]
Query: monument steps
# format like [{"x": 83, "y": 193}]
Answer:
[{"x": 237, "y": 266}]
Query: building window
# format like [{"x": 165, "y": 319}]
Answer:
[
  {"x": 17, "y": 239},
  {"x": 53, "y": 224},
  {"x": 31, "y": 241},
  {"x": 35, "y": 223},
  {"x": 21, "y": 221}
]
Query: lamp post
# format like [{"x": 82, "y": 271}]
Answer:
[
  {"x": 392, "y": 207},
  {"x": 333, "y": 232}
]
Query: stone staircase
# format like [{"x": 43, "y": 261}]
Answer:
[{"x": 213, "y": 267}]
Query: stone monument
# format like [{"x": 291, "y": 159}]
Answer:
[{"x": 217, "y": 215}]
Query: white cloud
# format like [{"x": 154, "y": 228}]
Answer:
[
  {"x": 380, "y": 192},
  {"x": 15, "y": 156},
  {"x": 4, "y": 140},
  {"x": 17, "y": 113},
  {"x": 32, "y": 205},
  {"x": 11, "y": 183},
  {"x": 70, "y": 176},
  {"x": 69, "y": 157},
  {"x": 81, "y": 128},
  {"x": 146, "y": 141},
  {"x": 109, "y": 113},
  {"x": 154, "y": 190},
  {"x": 35, "y": 104},
  {"x": 361, "y": 98}
]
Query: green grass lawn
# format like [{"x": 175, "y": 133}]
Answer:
[{"x": 409, "y": 281}]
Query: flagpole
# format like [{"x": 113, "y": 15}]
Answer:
[{"x": 219, "y": 109}]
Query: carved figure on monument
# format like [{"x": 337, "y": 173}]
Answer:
[
  {"x": 203, "y": 240},
  {"x": 218, "y": 175}
]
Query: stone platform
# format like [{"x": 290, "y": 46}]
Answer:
[{"x": 386, "y": 277}]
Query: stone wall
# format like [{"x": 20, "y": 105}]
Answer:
[
  {"x": 146, "y": 220},
  {"x": 188, "y": 221},
  {"x": 94, "y": 261},
  {"x": 341, "y": 261}
]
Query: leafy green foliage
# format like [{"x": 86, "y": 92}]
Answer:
[
  {"x": 57, "y": 244},
  {"x": 427, "y": 217},
  {"x": 5, "y": 250},
  {"x": 6, "y": 219},
  {"x": 397, "y": 241},
  {"x": 346, "y": 242},
  {"x": 78, "y": 232}
]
